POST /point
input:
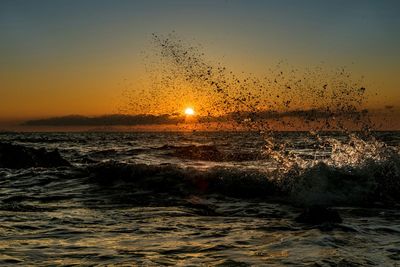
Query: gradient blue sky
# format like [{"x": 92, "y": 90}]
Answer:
[{"x": 69, "y": 57}]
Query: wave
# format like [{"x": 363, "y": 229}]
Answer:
[
  {"x": 16, "y": 157},
  {"x": 183, "y": 181},
  {"x": 356, "y": 173},
  {"x": 370, "y": 184},
  {"x": 208, "y": 153}
]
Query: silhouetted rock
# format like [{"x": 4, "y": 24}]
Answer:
[
  {"x": 18, "y": 157},
  {"x": 319, "y": 215}
]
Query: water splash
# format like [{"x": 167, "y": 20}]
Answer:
[{"x": 315, "y": 99}]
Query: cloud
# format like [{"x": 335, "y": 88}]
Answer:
[
  {"x": 146, "y": 119},
  {"x": 108, "y": 120}
]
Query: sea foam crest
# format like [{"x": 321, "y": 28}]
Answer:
[{"x": 356, "y": 172}]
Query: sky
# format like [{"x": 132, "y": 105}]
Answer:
[{"x": 75, "y": 57}]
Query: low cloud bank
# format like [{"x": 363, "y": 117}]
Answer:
[
  {"x": 146, "y": 119},
  {"x": 106, "y": 120}
]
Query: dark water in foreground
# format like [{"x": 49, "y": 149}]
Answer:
[{"x": 195, "y": 199}]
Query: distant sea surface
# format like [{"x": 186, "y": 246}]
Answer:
[{"x": 193, "y": 199}]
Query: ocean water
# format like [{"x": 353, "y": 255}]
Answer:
[{"x": 202, "y": 199}]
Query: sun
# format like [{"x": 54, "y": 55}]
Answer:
[{"x": 189, "y": 111}]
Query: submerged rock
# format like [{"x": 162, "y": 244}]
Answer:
[
  {"x": 319, "y": 215},
  {"x": 18, "y": 157}
]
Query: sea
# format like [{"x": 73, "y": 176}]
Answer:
[{"x": 202, "y": 199}]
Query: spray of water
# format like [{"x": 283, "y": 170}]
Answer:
[{"x": 313, "y": 99}]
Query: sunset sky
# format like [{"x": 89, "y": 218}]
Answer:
[{"x": 79, "y": 57}]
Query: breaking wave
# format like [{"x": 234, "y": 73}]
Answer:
[
  {"x": 208, "y": 153},
  {"x": 372, "y": 182}
]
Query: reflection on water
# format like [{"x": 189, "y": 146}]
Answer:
[{"x": 177, "y": 216}]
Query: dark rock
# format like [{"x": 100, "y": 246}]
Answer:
[
  {"x": 18, "y": 157},
  {"x": 319, "y": 215}
]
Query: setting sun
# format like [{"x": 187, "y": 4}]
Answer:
[{"x": 189, "y": 111}]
